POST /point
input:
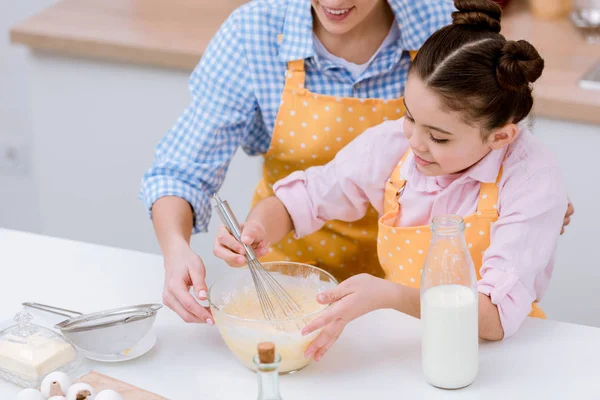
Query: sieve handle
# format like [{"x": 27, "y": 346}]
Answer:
[{"x": 53, "y": 310}]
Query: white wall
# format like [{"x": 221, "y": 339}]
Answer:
[
  {"x": 95, "y": 128},
  {"x": 18, "y": 207}
]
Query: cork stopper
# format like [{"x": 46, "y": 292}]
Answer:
[{"x": 266, "y": 352}]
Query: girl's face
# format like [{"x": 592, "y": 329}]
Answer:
[
  {"x": 342, "y": 16},
  {"x": 441, "y": 141}
]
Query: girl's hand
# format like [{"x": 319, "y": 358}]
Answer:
[
  {"x": 568, "y": 214},
  {"x": 232, "y": 252},
  {"x": 349, "y": 300}
]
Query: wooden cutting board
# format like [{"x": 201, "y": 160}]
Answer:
[{"x": 129, "y": 392}]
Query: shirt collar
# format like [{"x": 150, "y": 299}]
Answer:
[
  {"x": 487, "y": 169},
  {"x": 297, "y": 41},
  {"x": 415, "y": 20},
  {"x": 384, "y": 60},
  {"x": 484, "y": 171}
]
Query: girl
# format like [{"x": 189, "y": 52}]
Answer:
[{"x": 460, "y": 149}]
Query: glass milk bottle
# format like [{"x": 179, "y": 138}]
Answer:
[
  {"x": 267, "y": 362},
  {"x": 449, "y": 307}
]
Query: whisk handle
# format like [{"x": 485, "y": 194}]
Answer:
[{"x": 231, "y": 223}]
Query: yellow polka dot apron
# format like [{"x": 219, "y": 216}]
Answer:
[
  {"x": 309, "y": 130},
  {"x": 402, "y": 250}
]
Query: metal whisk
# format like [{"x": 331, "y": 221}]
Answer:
[{"x": 274, "y": 300}]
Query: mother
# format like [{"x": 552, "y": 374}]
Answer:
[{"x": 295, "y": 81}]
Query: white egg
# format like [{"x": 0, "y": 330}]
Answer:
[
  {"x": 80, "y": 389},
  {"x": 57, "y": 398},
  {"x": 108, "y": 395},
  {"x": 30, "y": 394},
  {"x": 63, "y": 381}
]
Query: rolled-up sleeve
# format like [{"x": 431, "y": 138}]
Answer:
[
  {"x": 518, "y": 264},
  {"x": 344, "y": 188},
  {"x": 192, "y": 158}
]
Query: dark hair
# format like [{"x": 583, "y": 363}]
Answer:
[{"x": 475, "y": 70}]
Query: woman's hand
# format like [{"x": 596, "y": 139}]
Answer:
[
  {"x": 183, "y": 268},
  {"x": 349, "y": 300}
]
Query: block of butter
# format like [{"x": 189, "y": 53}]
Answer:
[
  {"x": 29, "y": 352},
  {"x": 36, "y": 357}
]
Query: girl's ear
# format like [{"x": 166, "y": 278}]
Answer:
[{"x": 503, "y": 136}]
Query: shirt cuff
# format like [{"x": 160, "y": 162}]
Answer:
[
  {"x": 156, "y": 187},
  {"x": 508, "y": 293},
  {"x": 292, "y": 192}
]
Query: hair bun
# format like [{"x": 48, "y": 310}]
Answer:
[
  {"x": 477, "y": 14},
  {"x": 520, "y": 64}
]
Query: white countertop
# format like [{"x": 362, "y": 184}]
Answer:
[{"x": 377, "y": 356}]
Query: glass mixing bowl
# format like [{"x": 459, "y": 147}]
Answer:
[{"x": 238, "y": 315}]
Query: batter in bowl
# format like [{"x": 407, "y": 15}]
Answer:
[{"x": 243, "y": 325}]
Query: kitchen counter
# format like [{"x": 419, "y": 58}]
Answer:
[
  {"x": 377, "y": 357},
  {"x": 567, "y": 59},
  {"x": 171, "y": 34},
  {"x": 175, "y": 33}
]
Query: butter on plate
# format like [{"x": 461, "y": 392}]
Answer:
[
  {"x": 29, "y": 352},
  {"x": 36, "y": 357}
]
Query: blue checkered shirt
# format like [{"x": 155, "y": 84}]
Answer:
[{"x": 237, "y": 86}]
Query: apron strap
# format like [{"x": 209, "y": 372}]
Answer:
[
  {"x": 488, "y": 192},
  {"x": 396, "y": 179},
  {"x": 295, "y": 75},
  {"x": 488, "y": 195}
]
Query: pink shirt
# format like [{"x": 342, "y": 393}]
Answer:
[{"x": 532, "y": 203}]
